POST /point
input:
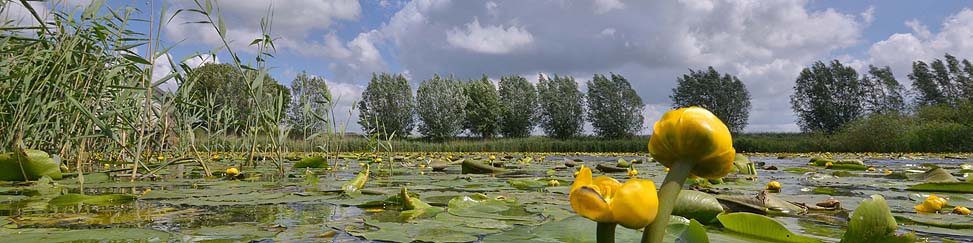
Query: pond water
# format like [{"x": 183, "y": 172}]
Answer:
[{"x": 531, "y": 205}]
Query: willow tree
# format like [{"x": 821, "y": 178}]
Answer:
[
  {"x": 562, "y": 106},
  {"x": 441, "y": 104},
  {"x": 614, "y": 108},
  {"x": 723, "y": 94},
  {"x": 518, "y": 106},
  {"x": 386, "y": 106}
]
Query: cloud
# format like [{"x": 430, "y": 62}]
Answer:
[
  {"x": 490, "y": 39},
  {"x": 651, "y": 43},
  {"x": 292, "y": 21},
  {"x": 899, "y": 50}
]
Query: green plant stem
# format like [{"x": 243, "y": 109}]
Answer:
[
  {"x": 606, "y": 233},
  {"x": 671, "y": 186}
]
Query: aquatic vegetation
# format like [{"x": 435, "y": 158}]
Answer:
[
  {"x": 931, "y": 204},
  {"x": 691, "y": 142},
  {"x": 609, "y": 202}
]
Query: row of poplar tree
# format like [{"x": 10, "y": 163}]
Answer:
[
  {"x": 444, "y": 107},
  {"x": 828, "y": 96}
]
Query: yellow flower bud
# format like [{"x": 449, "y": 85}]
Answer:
[
  {"x": 961, "y": 210},
  {"x": 932, "y": 204},
  {"x": 773, "y": 186},
  {"x": 232, "y": 171},
  {"x": 693, "y": 135}
]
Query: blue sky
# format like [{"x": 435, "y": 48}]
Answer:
[{"x": 764, "y": 43}]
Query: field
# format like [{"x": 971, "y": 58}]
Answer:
[{"x": 525, "y": 202}]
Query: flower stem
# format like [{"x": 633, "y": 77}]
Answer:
[
  {"x": 655, "y": 232},
  {"x": 606, "y": 233}
]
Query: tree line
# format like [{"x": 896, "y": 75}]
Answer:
[
  {"x": 827, "y": 96},
  {"x": 445, "y": 107}
]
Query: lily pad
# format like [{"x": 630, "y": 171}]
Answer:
[
  {"x": 31, "y": 165},
  {"x": 100, "y": 200},
  {"x": 697, "y": 205},
  {"x": 872, "y": 221},
  {"x": 312, "y": 162},
  {"x": 961, "y": 187},
  {"x": 762, "y": 227}
]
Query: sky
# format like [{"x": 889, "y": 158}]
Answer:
[{"x": 651, "y": 43}]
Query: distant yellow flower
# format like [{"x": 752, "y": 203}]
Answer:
[
  {"x": 232, "y": 171},
  {"x": 828, "y": 164},
  {"x": 773, "y": 186},
  {"x": 493, "y": 157},
  {"x": 216, "y": 157},
  {"x": 887, "y": 171},
  {"x": 553, "y": 183},
  {"x": 160, "y": 158},
  {"x": 633, "y": 173},
  {"x": 378, "y": 160},
  {"x": 633, "y": 204},
  {"x": 693, "y": 135},
  {"x": 871, "y": 169},
  {"x": 961, "y": 210},
  {"x": 932, "y": 204}
]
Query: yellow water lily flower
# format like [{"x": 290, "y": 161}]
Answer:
[
  {"x": 828, "y": 164},
  {"x": 232, "y": 171},
  {"x": 871, "y": 169},
  {"x": 693, "y": 135},
  {"x": 603, "y": 199},
  {"x": 493, "y": 157},
  {"x": 633, "y": 173},
  {"x": 961, "y": 210},
  {"x": 773, "y": 186},
  {"x": 932, "y": 204},
  {"x": 553, "y": 183},
  {"x": 160, "y": 158}
]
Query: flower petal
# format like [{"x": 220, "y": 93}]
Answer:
[
  {"x": 588, "y": 203},
  {"x": 635, "y": 204}
]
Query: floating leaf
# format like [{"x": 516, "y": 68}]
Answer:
[
  {"x": 36, "y": 164},
  {"x": 872, "y": 221},
  {"x": 759, "y": 226},
  {"x": 100, "y": 200},
  {"x": 312, "y": 162},
  {"x": 694, "y": 234},
  {"x": 961, "y": 187},
  {"x": 938, "y": 175},
  {"x": 697, "y": 205}
]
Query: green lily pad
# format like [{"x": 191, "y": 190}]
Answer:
[
  {"x": 697, "y": 205},
  {"x": 312, "y": 162},
  {"x": 938, "y": 175},
  {"x": 696, "y": 233},
  {"x": 100, "y": 200},
  {"x": 33, "y": 164},
  {"x": 762, "y": 227},
  {"x": 872, "y": 221},
  {"x": 961, "y": 187}
]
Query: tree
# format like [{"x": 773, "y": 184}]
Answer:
[
  {"x": 386, "y": 106},
  {"x": 826, "y": 97},
  {"x": 310, "y": 104},
  {"x": 942, "y": 83},
  {"x": 614, "y": 108},
  {"x": 440, "y": 104},
  {"x": 883, "y": 92},
  {"x": 221, "y": 87},
  {"x": 726, "y": 96},
  {"x": 927, "y": 90},
  {"x": 483, "y": 108},
  {"x": 518, "y": 106},
  {"x": 562, "y": 106}
]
